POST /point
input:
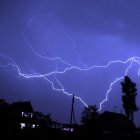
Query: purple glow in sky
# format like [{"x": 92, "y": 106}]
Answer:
[{"x": 45, "y": 39}]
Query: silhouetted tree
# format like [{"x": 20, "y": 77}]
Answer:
[
  {"x": 39, "y": 115},
  {"x": 130, "y": 92},
  {"x": 48, "y": 120},
  {"x": 4, "y": 116},
  {"x": 89, "y": 117},
  {"x": 3, "y": 108},
  {"x": 45, "y": 120}
]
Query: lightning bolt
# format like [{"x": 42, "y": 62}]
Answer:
[
  {"x": 61, "y": 88},
  {"x": 10, "y": 63},
  {"x": 75, "y": 50}
]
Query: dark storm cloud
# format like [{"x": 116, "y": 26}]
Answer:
[{"x": 115, "y": 17}]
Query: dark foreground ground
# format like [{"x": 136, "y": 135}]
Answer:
[{"x": 58, "y": 134}]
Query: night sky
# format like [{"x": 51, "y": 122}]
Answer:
[{"x": 51, "y": 40}]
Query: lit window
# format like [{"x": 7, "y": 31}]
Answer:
[
  {"x": 31, "y": 115},
  {"x": 26, "y": 114},
  {"x": 67, "y": 129},
  {"x": 22, "y": 125},
  {"x": 22, "y": 114},
  {"x": 33, "y": 125}
]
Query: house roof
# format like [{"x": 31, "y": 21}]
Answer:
[
  {"x": 112, "y": 119},
  {"x": 113, "y": 115},
  {"x": 22, "y": 106}
]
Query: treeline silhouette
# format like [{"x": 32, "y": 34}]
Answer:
[{"x": 19, "y": 119}]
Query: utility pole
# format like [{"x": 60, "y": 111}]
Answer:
[{"x": 72, "y": 115}]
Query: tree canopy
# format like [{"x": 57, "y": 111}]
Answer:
[
  {"x": 129, "y": 91},
  {"x": 89, "y": 117}
]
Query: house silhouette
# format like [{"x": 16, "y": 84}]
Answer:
[
  {"x": 115, "y": 123},
  {"x": 21, "y": 113}
]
